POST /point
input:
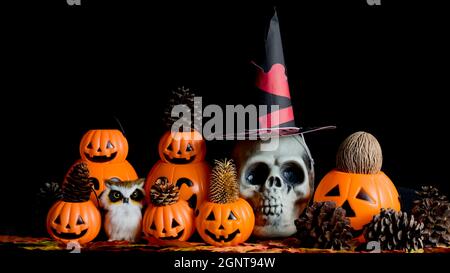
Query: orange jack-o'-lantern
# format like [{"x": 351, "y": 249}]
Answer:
[
  {"x": 191, "y": 179},
  {"x": 168, "y": 217},
  {"x": 357, "y": 184},
  {"x": 75, "y": 217},
  {"x": 105, "y": 152},
  {"x": 182, "y": 147},
  {"x": 225, "y": 219}
]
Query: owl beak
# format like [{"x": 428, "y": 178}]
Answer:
[{"x": 125, "y": 200}]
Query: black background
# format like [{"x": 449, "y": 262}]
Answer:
[{"x": 382, "y": 69}]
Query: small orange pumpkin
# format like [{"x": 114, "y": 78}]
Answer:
[
  {"x": 168, "y": 217},
  {"x": 182, "y": 147},
  {"x": 191, "y": 179},
  {"x": 225, "y": 219},
  {"x": 105, "y": 152},
  {"x": 75, "y": 217},
  {"x": 357, "y": 184}
]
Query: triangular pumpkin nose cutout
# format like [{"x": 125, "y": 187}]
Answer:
[
  {"x": 334, "y": 191},
  {"x": 349, "y": 212}
]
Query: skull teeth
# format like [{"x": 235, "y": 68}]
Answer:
[{"x": 271, "y": 210}]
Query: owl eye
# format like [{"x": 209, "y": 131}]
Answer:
[
  {"x": 109, "y": 145},
  {"x": 115, "y": 196},
  {"x": 89, "y": 146},
  {"x": 189, "y": 148},
  {"x": 80, "y": 221},
  {"x": 257, "y": 174},
  {"x": 137, "y": 195}
]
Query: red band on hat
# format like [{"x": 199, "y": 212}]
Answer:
[
  {"x": 270, "y": 120},
  {"x": 273, "y": 82}
]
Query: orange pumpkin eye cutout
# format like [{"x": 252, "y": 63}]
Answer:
[
  {"x": 211, "y": 217},
  {"x": 153, "y": 226},
  {"x": 232, "y": 216},
  {"x": 189, "y": 148},
  {"x": 58, "y": 220},
  {"x": 170, "y": 147},
  {"x": 89, "y": 146},
  {"x": 80, "y": 221},
  {"x": 174, "y": 223},
  {"x": 363, "y": 195},
  {"x": 109, "y": 145},
  {"x": 334, "y": 191}
]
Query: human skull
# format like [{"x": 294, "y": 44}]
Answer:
[{"x": 278, "y": 183}]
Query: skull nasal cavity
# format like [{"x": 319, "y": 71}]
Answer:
[{"x": 274, "y": 181}]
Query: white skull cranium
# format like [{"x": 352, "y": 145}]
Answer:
[{"x": 277, "y": 183}]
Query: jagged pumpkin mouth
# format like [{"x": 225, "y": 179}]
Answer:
[
  {"x": 100, "y": 158},
  {"x": 69, "y": 235},
  {"x": 221, "y": 238},
  {"x": 175, "y": 160},
  {"x": 178, "y": 236}
]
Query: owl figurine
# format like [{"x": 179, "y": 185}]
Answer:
[{"x": 123, "y": 201}]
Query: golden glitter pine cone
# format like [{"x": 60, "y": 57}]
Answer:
[{"x": 224, "y": 187}]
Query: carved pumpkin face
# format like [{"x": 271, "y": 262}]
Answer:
[
  {"x": 104, "y": 146},
  {"x": 170, "y": 222},
  {"x": 225, "y": 224},
  {"x": 182, "y": 147},
  {"x": 192, "y": 179},
  {"x": 67, "y": 221},
  {"x": 361, "y": 195}
]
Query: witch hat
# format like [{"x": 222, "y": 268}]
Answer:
[{"x": 273, "y": 90}]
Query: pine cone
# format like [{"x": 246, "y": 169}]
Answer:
[
  {"x": 323, "y": 225},
  {"x": 433, "y": 210},
  {"x": 164, "y": 193},
  {"x": 395, "y": 230},
  {"x": 185, "y": 97},
  {"x": 224, "y": 187},
  {"x": 77, "y": 187},
  {"x": 49, "y": 193}
]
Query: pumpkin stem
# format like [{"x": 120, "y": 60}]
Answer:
[
  {"x": 77, "y": 186},
  {"x": 164, "y": 193},
  {"x": 359, "y": 153},
  {"x": 224, "y": 186}
]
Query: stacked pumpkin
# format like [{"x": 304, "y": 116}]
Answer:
[
  {"x": 182, "y": 156},
  {"x": 105, "y": 151}
]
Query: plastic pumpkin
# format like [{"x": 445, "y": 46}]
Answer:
[
  {"x": 225, "y": 219},
  {"x": 105, "y": 152},
  {"x": 182, "y": 147},
  {"x": 75, "y": 217},
  {"x": 191, "y": 179},
  {"x": 357, "y": 184},
  {"x": 168, "y": 217}
]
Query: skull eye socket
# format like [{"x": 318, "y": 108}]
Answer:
[
  {"x": 232, "y": 216},
  {"x": 109, "y": 145},
  {"x": 292, "y": 173},
  {"x": 80, "y": 221},
  {"x": 211, "y": 217},
  {"x": 362, "y": 195},
  {"x": 257, "y": 174}
]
